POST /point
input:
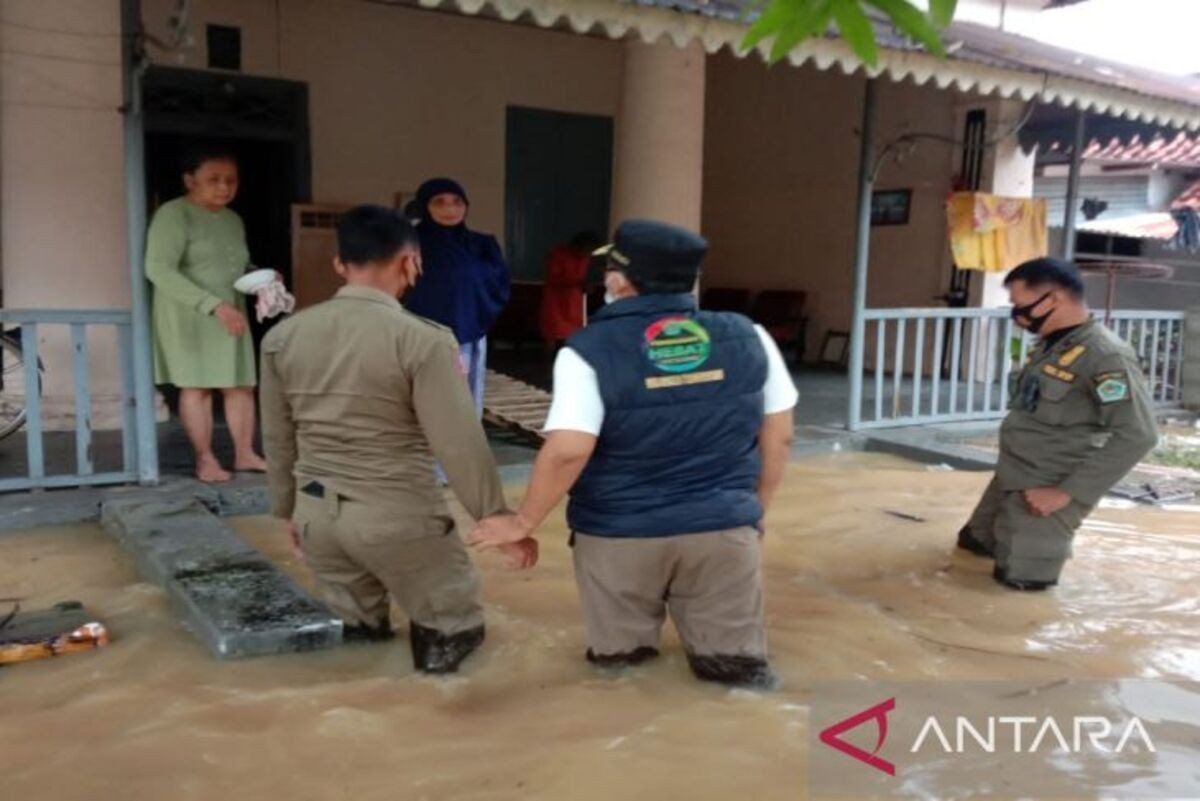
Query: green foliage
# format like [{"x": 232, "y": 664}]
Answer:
[{"x": 791, "y": 22}]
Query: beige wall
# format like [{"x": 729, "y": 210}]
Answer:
[
  {"x": 399, "y": 95},
  {"x": 780, "y": 183},
  {"x": 62, "y": 202}
]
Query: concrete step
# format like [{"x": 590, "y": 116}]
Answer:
[{"x": 230, "y": 595}]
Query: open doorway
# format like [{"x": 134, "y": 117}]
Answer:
[
  {"x": 558, "y": 182},
  {"x": 263, "y": 122}
]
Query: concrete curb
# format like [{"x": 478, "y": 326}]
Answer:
[{"x": 228, "y": 593}]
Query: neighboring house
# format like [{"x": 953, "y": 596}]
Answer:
[{"x": 1127, "y": 192}]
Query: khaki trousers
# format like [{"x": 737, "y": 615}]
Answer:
[
  {"x": 364, "y": 557},
  {"x": 711, "y": 584},
  {"x": 1026, "y": 547}
]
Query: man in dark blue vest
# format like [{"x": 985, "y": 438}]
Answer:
[{"x": 670, "y": 428}]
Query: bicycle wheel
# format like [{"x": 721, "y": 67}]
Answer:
[{"x": 12, "y": 387}]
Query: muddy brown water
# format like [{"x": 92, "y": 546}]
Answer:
[{"x": 852, "y": 592}]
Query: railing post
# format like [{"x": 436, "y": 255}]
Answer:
[
  {"x": 898, "y": 367},
  {"x": 128, "y": 405},
  {"x": 939, "y": 336},
  {"x": 83, "y": 401},
  {"x": 918, "y": 366},
  {"x": 880, "y": 365},
  {"x": 135, "y": 206},
  {"x": 989, "y": 367},
  {"x": 955, "y": 364},
  {"x": 862, "y": 254},
  {"x": 34, "y": 452}
]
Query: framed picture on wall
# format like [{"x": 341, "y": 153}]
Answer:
[{"x": 891, "y": 207}]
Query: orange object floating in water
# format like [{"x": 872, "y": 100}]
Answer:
[{"x": 64, "y": 629}]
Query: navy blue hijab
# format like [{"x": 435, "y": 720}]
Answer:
[{"x": 465, "y": 283}]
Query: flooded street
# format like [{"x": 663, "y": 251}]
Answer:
[{"x": 853, "y": 591}]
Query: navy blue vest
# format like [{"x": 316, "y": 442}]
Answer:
[{"x": 683, "y": 406}]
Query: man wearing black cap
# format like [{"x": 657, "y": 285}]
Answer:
[
  {"x": 670, "y": 428},
  {"x": 1080, "y": 418}
]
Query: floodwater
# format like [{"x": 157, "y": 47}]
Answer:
[{"x": 853, "y": 592}]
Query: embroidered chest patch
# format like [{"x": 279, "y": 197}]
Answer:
[
  {"x": 1069, "y": 358},
  {"x": 1112, "y": 387},
  {"x": 1060, "y": 374}
]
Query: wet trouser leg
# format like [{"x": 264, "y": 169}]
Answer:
[
  {"x": 349, "y": 589},
  {"x": 978, "y": 535},
  {"x": 716, "y": 602},
  {"x": 621, "y": 584},
  {"x": 1030, "y": 548},
  {"x": 710, "y": 583},
  {"x": 364, "y": 555}
]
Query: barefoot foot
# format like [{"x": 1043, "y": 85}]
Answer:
[
  {"x": 209, "y": 470},
  {"x": 250, "y": 463}
]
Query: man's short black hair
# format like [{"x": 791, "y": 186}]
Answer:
[
  {"x": 371, "y": 234},
  {"x": 1056, "y": 272},
  {"x": 200, "y": 152}
]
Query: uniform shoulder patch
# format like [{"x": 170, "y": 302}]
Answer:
[{"x": 1112, "y": 387}]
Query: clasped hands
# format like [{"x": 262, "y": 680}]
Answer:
[{"x": 511, "y": 534}]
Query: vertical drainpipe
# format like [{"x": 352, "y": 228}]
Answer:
[
  {"x": 862, "y": 254},
  {"x": 135, "y": 207},
  {"x": 1068, "y": 248}
]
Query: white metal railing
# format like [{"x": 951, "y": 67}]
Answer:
[
  {"x": 951, "y": 365},
  {"x": 24, "y": 387}
]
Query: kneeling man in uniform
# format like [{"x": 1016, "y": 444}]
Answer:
[
  {"x": 1079, "y": 419},
  {"x": 358, "y": 398},
  {"x": 670, "y": 428}
]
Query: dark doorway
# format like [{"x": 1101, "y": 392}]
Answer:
[
  {"x": 264, "y": 122},
  {"x": 558, "y": 182}
]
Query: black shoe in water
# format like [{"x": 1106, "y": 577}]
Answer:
[
  {"x": 735, "y": 670},
  {"x": 1001, "y": 576},
  {"x": 365, "y": 633},
  {"x": 969, "y": 543},
  {"x": 438, "y": 653},
  {"x": 637, "y": 656}
]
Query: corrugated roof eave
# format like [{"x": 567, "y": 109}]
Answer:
[{"x": 715, "y": 32}]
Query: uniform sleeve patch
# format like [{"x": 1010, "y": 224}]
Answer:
[{"x": 1112, "y": 387}]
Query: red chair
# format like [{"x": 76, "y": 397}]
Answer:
[{"x": 781, "y": 313}]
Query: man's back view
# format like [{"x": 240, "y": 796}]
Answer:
[{"x": 359, "y": 397}]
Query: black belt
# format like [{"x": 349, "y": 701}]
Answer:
[{"x": 314, "y": 489}]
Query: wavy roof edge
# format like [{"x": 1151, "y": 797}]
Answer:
[{"x": 984, "y": 60}]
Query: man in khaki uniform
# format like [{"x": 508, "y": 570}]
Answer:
[
  {"x": 359, "y": 397},
  {"x": 1080, "y": 418}
]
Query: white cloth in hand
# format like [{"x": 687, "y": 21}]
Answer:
[{"x": 274, "y": 300}]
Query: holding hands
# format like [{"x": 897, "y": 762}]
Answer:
[{"x": 511, "y": 534}]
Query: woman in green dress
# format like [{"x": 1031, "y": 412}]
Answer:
[{"x": 195, "y": 250}]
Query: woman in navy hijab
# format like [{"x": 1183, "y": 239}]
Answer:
[{"x": 465, "y": 284}]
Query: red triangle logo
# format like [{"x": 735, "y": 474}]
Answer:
[{"x": 878, "y": 713}]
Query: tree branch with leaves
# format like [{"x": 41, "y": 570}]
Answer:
[{"x": 791, "y": 22}]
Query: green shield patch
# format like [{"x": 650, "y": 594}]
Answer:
[{"x": 1112, "y": 388}]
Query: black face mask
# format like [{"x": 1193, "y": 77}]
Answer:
[{"x": 1026, "y": 311}]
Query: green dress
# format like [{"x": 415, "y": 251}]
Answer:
[{"x": 193, "y": 257}]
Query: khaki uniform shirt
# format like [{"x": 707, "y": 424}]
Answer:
[
  {"x": 1080, "y": 416},
  {"x": 362, "y": 396}
]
